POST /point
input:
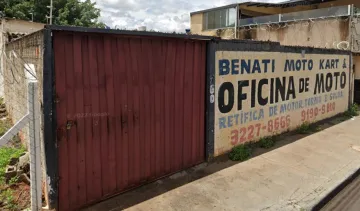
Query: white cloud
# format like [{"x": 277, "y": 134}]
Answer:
[{"x": 159, "y": 15}]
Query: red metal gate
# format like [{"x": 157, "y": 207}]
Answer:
[{"x": 129, "y": 110}]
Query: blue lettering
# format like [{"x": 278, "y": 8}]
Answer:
[
  {"x": 261, "y": 115},
  {"x": 222, "y": 122},
  {"x": 311, "y": 64},
  {"x": 230, "y": 121},
  {"x": 236, "y": 118},
  {"x": 327, "y": 64},
  {"x": 289, "y": 65},
  {"x": 266, "y": 62},
  {"x": 256, "y": 66},
  {"x": 322, "y": 64},
  {"x": 245, "y": 66},
  {"x": 298, "y": 65},
  {"x": 234, "y": 67},
  {"x": 224, "y": 68},
  {"x": 254, "y": 115},
  {"x": 283, "y": 108}
]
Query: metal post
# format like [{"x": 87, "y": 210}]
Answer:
[
  {"x": 2, "y": 51},
  {"x": 34, "y": 146},
  {"x": 351, "y": 17},
  {"x": 51, "y": 12},
  {"x": 236, "y": 21}
]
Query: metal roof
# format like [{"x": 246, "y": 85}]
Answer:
[
  {"x": 284, "y": 4},
  {"x": 127, "y": 32}
]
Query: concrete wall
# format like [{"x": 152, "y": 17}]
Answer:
[
  {"x": 329, "y": 33},
  {"x": 12, "y": 29},
  {"x": 259, "y": 78},
  {"x": 19, "y": 54},
  {"x": 357, "y": 66}
]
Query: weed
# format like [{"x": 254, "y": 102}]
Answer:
[
  {"x": 14, "y": 180},
  {"x": 8, "y": 197},
  {"x": 4, "y": 126},
  {"x": 267, "y": 142},
  {"x": 240, "y": 153},
  {"x": 352, "y": 111},
  {"x": 6, "y": 153},
  {"x": 304, "y": 128}
]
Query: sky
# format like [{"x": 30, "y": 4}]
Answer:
[{"x": 159, "y": 15}]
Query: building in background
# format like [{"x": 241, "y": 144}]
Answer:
[
  {"x": 11, "y": 29},
  {"x": 313, "y": 23}
]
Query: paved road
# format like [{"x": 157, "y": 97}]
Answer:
[{"x": 347, "y": 200}]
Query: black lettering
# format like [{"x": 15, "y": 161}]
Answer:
[
  {"x": 241, "y": 96},
  {"x": 342, "y": 80},
  {"x": 328, "y": 84},
  {"x": 319, "y": 84},
  {"x": 291, "y": 88},
  {"x": 262, "y": 101},
  {"x": 253, "y": 91},
  {"x": 336, "y": 75},
  {"x": 280, "y": 87},
  {"x": 227, "y": 86},
  {"x": 272, "y": 91}
]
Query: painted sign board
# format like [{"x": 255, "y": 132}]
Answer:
[{"x": 259, "y": 94}]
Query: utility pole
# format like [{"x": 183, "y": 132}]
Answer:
[{"x": 51, "y": 11}]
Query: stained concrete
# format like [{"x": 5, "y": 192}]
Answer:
[{"x": 293, "y": 177}]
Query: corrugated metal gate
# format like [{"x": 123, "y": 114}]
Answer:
[{"x": 129, "y": 110}]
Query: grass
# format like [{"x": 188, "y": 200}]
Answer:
[{"x": 240, "y": 153}]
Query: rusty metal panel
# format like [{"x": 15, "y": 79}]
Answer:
[{"x": 130, "y": 109}]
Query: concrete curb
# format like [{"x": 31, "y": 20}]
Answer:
[{"x": 335, "y": 191}]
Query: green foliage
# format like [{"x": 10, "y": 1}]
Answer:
[
  {"x": 240, "y": 153},
  {"x": 352, "y": 111},
  {"x": 6, "y": 194},
  {"x": 267, "y": 142},
  {"x": 4, "y": 126},
  {"x": 65, "y": 12},
  {"x": 304, "y": 128},
  {"x": 7, "y": 197},
  {"x": 6, "y": 153}
]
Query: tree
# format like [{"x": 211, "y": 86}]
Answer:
[{"x": 65, "y": 12}]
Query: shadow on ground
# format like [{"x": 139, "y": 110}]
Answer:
[{"x": 146, "y": 192}]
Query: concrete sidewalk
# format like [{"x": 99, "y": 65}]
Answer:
[{"x": 294, "y": 177}]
